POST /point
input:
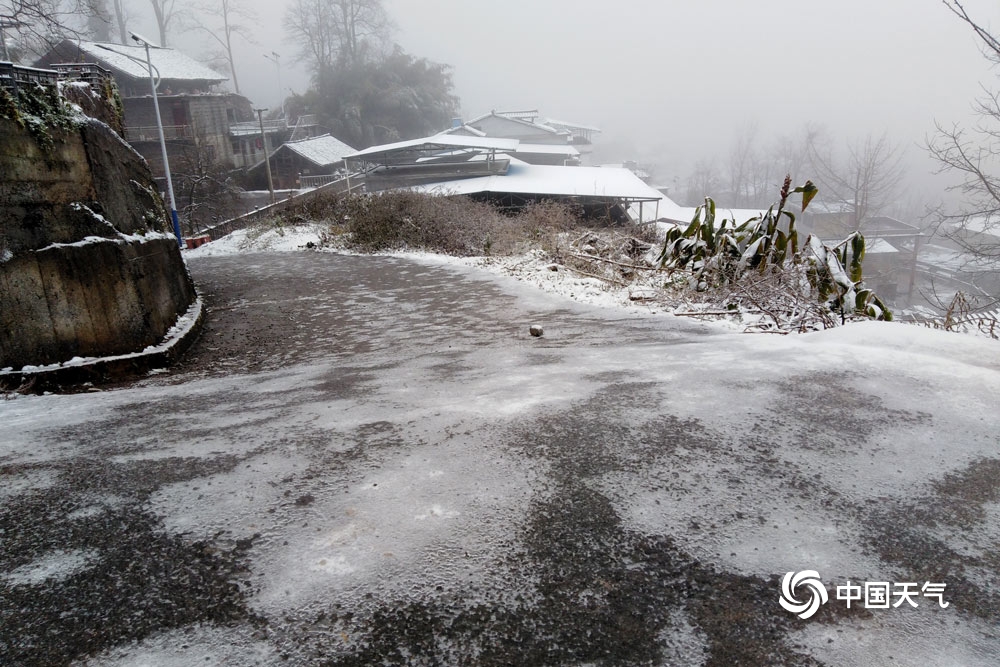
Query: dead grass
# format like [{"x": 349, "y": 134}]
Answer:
[{"x": 449, "y": 225}]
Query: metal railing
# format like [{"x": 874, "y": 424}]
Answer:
[
  {"x": 317, "y": 181},
  {"x": 253, "y": 127},
  {"x": 240, "y": 222},
  {"x": 91, "y": 73},
  {"x": 12, "y": 76},
  {"x": 151, "y": 133}
]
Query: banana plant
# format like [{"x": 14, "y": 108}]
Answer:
[
  {"x": 835, "y": 272},
  {"x": 719, "y": 254}
]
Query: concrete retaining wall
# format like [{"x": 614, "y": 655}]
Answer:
[
  {"x": 87, "y": 267},
  {"x": 96, "y": 299}
]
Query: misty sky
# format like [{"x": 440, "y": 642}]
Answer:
[{"x": 674, "y": 81}]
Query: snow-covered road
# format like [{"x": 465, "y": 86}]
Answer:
[{"x": 369, "y": 460}]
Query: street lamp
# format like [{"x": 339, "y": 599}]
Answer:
[
  {"x": 154, "y": 83},
  {"x": 267, "y": 158}
]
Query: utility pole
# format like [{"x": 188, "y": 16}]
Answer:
[
  {"x": 267, "y": 158},
  {"x": 276, "y": 59}
]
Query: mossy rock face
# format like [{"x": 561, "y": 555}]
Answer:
[
  {"x": 98, "y": 101},
  {"x": 43, "y": 113},
  {"x": 8, "y": 107}
]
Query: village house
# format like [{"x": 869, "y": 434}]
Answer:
[
  {"x": 195, "y": 114},
  {"x": 302, "y": 163},
  {"x": 543, "y": 141},
  {"x": 201, "y": 121},
  {"x": 491, "y": 169}
]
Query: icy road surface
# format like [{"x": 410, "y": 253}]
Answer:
[{"x": 368, "y": 460}]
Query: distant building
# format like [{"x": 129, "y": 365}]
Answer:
[
  {"x": 306, "y": 162},
  {"x": 542, "y": 141},
  {"x": 200, "y": 121},
  {"x": 520, "y": 125},
  {"x": 193, "y": 112},
  {"x": 491, "y": 169}
]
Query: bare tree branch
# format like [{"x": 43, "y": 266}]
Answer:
[
  {"x": 973, "y": 154},
  {"x": 865, "y": 181},
  {"x": 337, "y": 31},
  {"x": 227, "y": 14}
]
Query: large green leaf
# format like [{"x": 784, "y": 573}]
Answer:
[{"x": 808, "y": 191}]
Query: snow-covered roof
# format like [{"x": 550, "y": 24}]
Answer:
[
  {"x": 668, "y": 209},
  {"x": 551, "y": 149},
  {"x": 519, "y": 121},
  {"x": 874, "y": 246},
  {"x": 322, "y": 151},
  {"x": 638, "y": 171},
  {"x": 438, "y": 140},
  {"x": 131, "y": 60},
  {"x": 980, "y": 224},
  {"x": 565, "y": 125},
  {"x": 467, "y": 130},
  {"x": 530, "y": 179}
]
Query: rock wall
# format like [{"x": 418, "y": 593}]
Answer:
[{"x": 87, "y": 266}]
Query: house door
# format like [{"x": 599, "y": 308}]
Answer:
[{"x": 180, "y": 114}]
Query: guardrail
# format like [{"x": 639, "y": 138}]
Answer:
[
  {"x": 317, "y": 181},
  {"x": 244, "y": 128},
  {"x": 12, "y": 76},
  {"x": 91, "y": 73},
  {"x": 152, "y": 133},
  {"x": 241, "y": 222}
]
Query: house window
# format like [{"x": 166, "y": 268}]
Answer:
[{"x": 231, "y": 115}]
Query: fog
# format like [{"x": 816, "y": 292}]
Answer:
[{"x": 675, "y": 82}]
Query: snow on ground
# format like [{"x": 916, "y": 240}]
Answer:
[
  {"x": 532, "y": 268},
  {"x": 55, "y": 565},
  {"x": 425, "y": 494},
  {"x": 275, "y": 239},
  {"x": 199, "y": 645}
]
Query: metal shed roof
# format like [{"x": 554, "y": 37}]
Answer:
[
  {"x": 436, "y": 142},
  {"x": 541, "y": 180}
]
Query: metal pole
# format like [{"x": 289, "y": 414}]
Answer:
[
  {"x": 163, "y": 150},
  {"x": 276, "y": 59},
  {"x": 267, "y": 158}
]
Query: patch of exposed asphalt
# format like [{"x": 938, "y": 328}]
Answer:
[
  {"x": 363, "y": 305},
  {"x": 907, "y": 534},
  {"x": 838, "y": 414},
  {"x": 137, "y": 579}
]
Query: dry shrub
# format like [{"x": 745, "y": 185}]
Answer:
[{"x": 450, "y": 225}]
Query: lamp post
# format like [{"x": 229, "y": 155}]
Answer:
[
  {"x": 154, "y": 83},
  {"x": 267, "y": 158}
]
